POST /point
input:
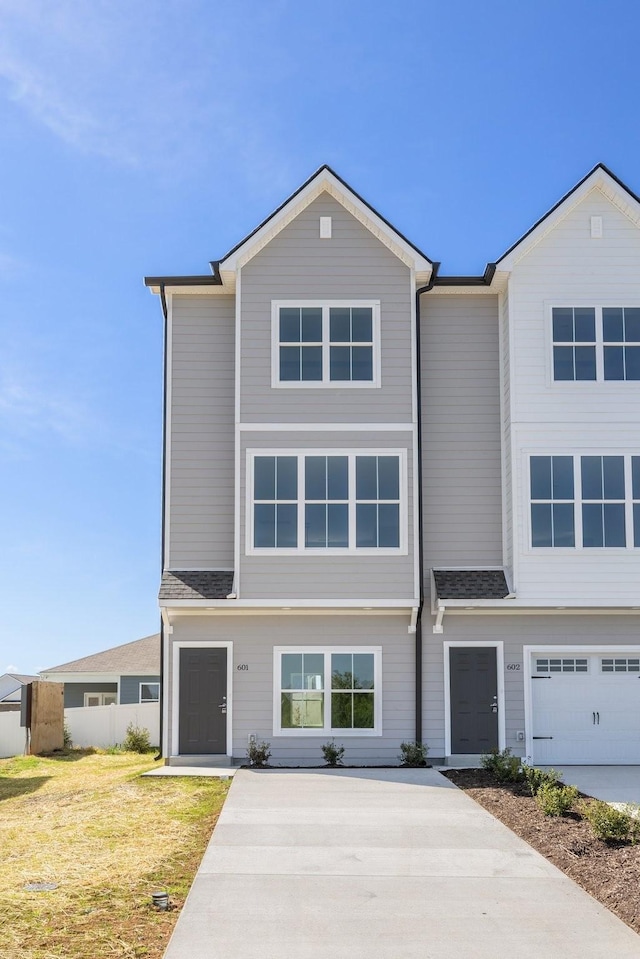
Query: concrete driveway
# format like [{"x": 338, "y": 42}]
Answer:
[
  {"x": 380, "y": 864},
  {"x": 616, "y": 784}
]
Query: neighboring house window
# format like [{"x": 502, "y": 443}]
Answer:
[
  {"x": 326, "y": 344},
  {"x": 607, "y": 489},
  {"x": 149, "y": 692},
  {"x": 596, "y": 343},
  {"x": 327, "y": 501},
  {"x": 574, "y": 343},
  {"x": 100, "y": 699},
  {"x": 325, "y": 691},
  {"x": 552, "y": 502}
]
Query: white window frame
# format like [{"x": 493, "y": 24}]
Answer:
[
  {"x": 319, "y": 552},
  {"x": 327, "y": 651},
  {"x": 141, "y": 700},
  {"x": 325, "y": 382},
  {"x": 578, "y": 502},
  {"x": 101, "y": 697},
  {"x": 628, "y": 303}
]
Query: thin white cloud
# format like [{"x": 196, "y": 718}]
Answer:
[
  {"x": 26, "y": 409},
  {"x": 11, "y": 668}
]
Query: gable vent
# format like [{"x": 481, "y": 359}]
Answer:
[
  {"x": 596, "y": 227},
  {"x": 325, "y": 227}
]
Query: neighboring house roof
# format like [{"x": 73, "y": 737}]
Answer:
[
  {"x": 11, "y": 686},
  {"x": 141, "y": 657},
  {"x": 470, "y": 584},
  {"x": 196, "y": 584}
]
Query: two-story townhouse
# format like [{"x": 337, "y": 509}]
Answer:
[{"x": 349, "y": 433}]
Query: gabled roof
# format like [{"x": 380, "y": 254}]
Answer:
[
  {"x": 21, "y": 678},
  {"x": 325, "y": 180},
  {"x": 599, "y": 178},
  {"x": 140, "y": 657}
]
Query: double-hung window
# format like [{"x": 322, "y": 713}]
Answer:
[
  {"x": 319, "y": 691},
  {"x": 595, "y": 343},
  {"x": 334, "y": 343},
  {"x": 585, "y": 501},
  {"x": 316, "y": 502}
]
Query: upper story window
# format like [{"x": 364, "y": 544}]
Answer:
[
  {"x": 605, "y": 488},
  {"x": 327, "y": 501},
  {"x": 318, "y": 344},
  {"x": 596, "y": 343}
]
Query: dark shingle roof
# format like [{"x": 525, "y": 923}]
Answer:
[
  {"x": 470, "y": 583},
  {"x": 196, "y": 584}
]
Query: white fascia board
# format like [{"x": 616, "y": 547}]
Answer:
[
  {"x": 326, "y": 182},
  {"x": 533, "y": 606},
  {"x": 228, "y": 286},
  {"x": 598, "y": 180},
  {"x": 85, "y": 677},
  {"x": 498, "y": 285},
  {"x": 285, "y": 605}
]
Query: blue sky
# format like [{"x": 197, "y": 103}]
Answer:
[{"x": 148, "y": 138}]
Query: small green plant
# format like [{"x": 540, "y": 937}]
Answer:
[
  {"x": 67, "y": 741},
  {"x": 610, "y": 824},
  {"x": 556, "y": 800},
  {"x": 332, "y": 753},
  {"x": 136, "y": 740},
  {"x": 537, "y": 778},
  {"x": 258, "y": 753},
  {"x": 501, "y": 764},
  {"x": 413, "y": 754}
]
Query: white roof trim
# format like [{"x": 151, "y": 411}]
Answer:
[
  {"x": 598, "y": 180},
  {"x": 326, "y": 182}
]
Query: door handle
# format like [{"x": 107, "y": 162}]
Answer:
[
  {"x": 494, "y": 705},
  {"x": 223, "y": 704},
  {"x": 598, "y": 717},
  {"x": 593, "y": 718}
]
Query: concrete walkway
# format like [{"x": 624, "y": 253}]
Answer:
[
  {"x": 614, "y": 784},
  {"x": 380, "y": 864}
]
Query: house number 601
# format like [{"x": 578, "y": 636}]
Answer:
[{"x": 242, "y": 667}]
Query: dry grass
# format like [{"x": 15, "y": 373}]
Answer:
[{"x": 108, "y": 839}]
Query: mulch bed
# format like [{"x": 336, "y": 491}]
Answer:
[{"x": 610, "y": 872}]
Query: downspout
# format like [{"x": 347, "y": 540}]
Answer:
[
  {"x": 163, "y": 300},
  {"x": 418, "y": 634}
]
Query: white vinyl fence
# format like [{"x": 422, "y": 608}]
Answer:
[
  {"x": 12, "y": 734},
  {"x": 107, "y": 725},
  {"x": 88, "y": 725}
]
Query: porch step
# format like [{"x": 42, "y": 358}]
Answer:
[{"x": 206, "y": 760}]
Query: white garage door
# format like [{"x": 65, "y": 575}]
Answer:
[{"x": 586, "y": 708}]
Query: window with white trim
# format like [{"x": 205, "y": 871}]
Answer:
[
  {"x": 589, "y": 502},
  {"x": 595, "y": 343},
  {"x": 327, "y": 501},
  {"x": 334, "y": 343},
  {"x": 620, "y": 665},
  {"x": 149, "y": 692},
  {"x": 100, "y": 699},
  {"x": 562, "y": 665},
  {"x": 327, "y": 691}
]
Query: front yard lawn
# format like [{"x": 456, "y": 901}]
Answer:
[{"x": 106, "y": 838}]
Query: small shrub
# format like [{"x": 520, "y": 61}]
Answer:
[
  {"x": 136, "y": 740},
  {"x": 610, "y": 824},
  {"x": 332, "y": 754},
  {"x": 67, "y": 741},
  {"x": 413, "y": 754},
  {"x": 258, "y": 753},
  {"x": 537, "y": 778},
  {"x": 505, "y": 767},
  {"x": 556, "y": 800}
]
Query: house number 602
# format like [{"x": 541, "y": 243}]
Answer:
[
  {"x": 513, "y": 665},
  {"x": 242, "y": 667}
]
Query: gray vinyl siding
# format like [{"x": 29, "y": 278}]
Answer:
[
  {"x": 461, "y": 472},
  {"x": 130, "y": 687},
  {"x": 515, "y": 632},
  {"x": 200, "y": 533},
  {"x": 352, "y": 264},
  {"x": 331, "y": 577},
  {"x": 74, "y": 692},
  {"x": 254, "y": 638},
  {"x": 507, "y": 465}
]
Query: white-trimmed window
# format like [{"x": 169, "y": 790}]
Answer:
[
  {"x": 585, "y": 501},
  {"x": 100, "y": 699},
  {"x": 334, "y": 343},
  {"x": 595, "y": 343},
  {"x": 149, "y": 692},
  {"x": 322, "y": 691},
  {"x": 326, "y": 502}
]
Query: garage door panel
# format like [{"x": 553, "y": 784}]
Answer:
[{"x": 586, "y": 717}]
